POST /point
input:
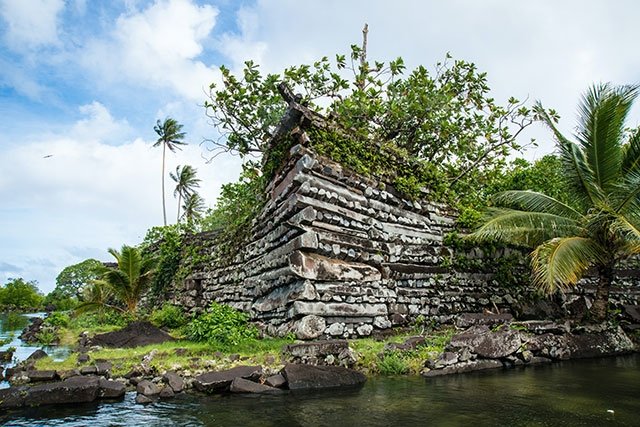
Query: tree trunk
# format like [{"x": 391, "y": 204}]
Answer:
[
  {"x": 164, "y": 207},
  {"x": 179, "y": 202},
  {"x": 601, "y": 301}
]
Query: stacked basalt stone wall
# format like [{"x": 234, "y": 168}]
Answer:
[{"x": 337, "y": 254}]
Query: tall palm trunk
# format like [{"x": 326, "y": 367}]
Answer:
[
  {"x": 601, "y": 300},
  {"x": 179, "y": 202},
  {"x": 164, "y": 207}
]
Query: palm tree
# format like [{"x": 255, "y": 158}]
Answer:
[
  {"x": 193, "y": 207},
  {"x": 601, "y": 224},
  {"x": 125, "y": 283},
  {"x": 186, "y": 182},
  {"x": 170, "y": 136}
]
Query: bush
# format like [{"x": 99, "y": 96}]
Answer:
[
  {"x": 169, "y": 316},
  {"x": 223, "y": 325},
  {"x": 57, "y": 319},
  {"x": 20, "y": 294}
]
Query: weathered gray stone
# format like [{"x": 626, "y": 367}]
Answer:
[
  {"x": 381, "y": 322},
  {"x": 467, "y": 320},
  {"x": 364, "y": 330},
  {"x": 211, "y": 382},
  {"x": 318, "y": 267},
  {"x": 310, "y": 327},
  {"x": 335, "y": 329},
  {"x": 499, "y": 344},
  {"x": 306, "y": 377}
]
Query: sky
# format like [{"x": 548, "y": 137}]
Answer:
[{"x": 82, "y": 83}]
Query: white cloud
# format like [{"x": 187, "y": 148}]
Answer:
[
  {"x": 545, "y": 50},
  {"x": 89, "y": 194},
  {"x": 157, "y": 48},
  {"x": 31, "y": 24}
]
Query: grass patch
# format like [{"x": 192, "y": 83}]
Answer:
[{"x": 373, "y": 359}]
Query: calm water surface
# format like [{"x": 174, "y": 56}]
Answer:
[{"x": 578, "y": 393}]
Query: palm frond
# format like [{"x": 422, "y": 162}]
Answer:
[
  {"x": 578, "y": 173},
  {"x": 534, "y": 202},
  {"x": 631, "y": 153},
  {"x": 524, "y": 228},
  {"x": 603, "y": 110},
  {"x": 559, "y": 263}
]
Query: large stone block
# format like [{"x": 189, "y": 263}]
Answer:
[
  {"x": 337, "y": 309},
  {"x": 318, "y": 267}
]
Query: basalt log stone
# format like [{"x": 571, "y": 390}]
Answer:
[
  {"x": 352, "y": 250},
  {"x": 212, "y": 382},
  {"x": 309, "y": 377}
]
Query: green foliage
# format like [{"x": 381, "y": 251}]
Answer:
[
  {"x": 169, "y": 316},
  {"x": 47, "y": 335},
  {"x": 170, "y": 136},
  {"x": 57, "y": 319},
  {"x": 106, "y": 319},
  {"x": 392, "y": 363},
  {"x": 71, "y": 279},
  {"x": 165, "y": 243},
  {"x": 20, "y": 294},
  {"x": 600, "y": 224},
  {"x": 236, "y": 206},
  {"x": 415, "y": 129},
  {"x": 222, "y": 325},
  {"x": 121, "y": 287},
  {"x": 186, "y": 182}
]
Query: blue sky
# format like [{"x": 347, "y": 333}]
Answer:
[{"x": 85, "y": 80}]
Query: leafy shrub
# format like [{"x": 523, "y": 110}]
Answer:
[
  {"x": 19, "y": 293},
  {"x": 48, "y": 335},
  {"x": 169, "y": 316},
  {"x": 223, "y": 325},
  {"x": 100, "y": 320},
  {"x": 57, "y": 319}
]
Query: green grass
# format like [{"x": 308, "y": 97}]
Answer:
[{"x": 372, "y": 358}]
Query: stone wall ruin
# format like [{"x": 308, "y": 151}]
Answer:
[{"x": 336, "y": 254}]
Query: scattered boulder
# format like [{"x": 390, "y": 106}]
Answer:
[
  {"x": 173, "y": 380},
  {"x": 166, "y": 393},
  {"x": 143, "y": 400},
  {"x": 276, "y": 381},
  {"x": 6, "y": 356},
  {"x": 36, "y": 376},
  {"x": 212, "y": 382},
  {"x": 308, "y": 377},
  {"x": 30, "y": 333},
  {"x": 147, "y": 388},
  {"x": 111, "y": 389},
  {"x": 134, "y": 335},
  {"x": 497, "y": 344}
]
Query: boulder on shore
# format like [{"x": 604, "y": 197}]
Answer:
[
  {"x": 308, "y": 377},
  {"x": 133, "y": 335},
  {"x": 73, "y": 390},
  {"x": 211, "y": 382}
]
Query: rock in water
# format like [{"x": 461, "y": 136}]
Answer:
[{"x": 307, "y": 377}]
